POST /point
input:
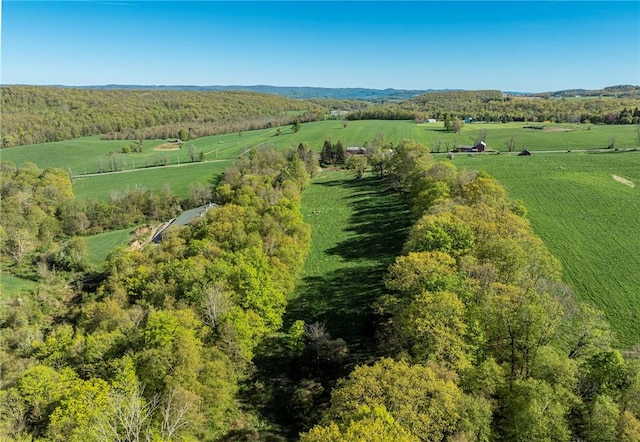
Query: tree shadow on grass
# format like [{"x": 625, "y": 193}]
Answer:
[{"x": 343, "y": 299}]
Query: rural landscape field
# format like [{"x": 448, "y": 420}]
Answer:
[{"x": 356, "y": 221}]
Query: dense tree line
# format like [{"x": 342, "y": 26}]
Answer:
[
  {"x": 158, "y": 351},
  {"x": 493, "y": 106},
  {"x": 34, "y": 114},
  {"x": 483, "y": 342}
]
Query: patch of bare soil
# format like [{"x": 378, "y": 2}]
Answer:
[
  {"x": 167, "y": 146},
  {"x": 624, "y": 181}
]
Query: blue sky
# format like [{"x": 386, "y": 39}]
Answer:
[{"x": 511, "y": 46}]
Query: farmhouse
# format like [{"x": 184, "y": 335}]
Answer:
[
  {"x": 479, "y": 147},
  {"x": 183, "y": 220}
]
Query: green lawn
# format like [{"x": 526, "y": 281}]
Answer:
[
  {"x": 358, "y": 228},
  {"x": 587, "y": 219}
]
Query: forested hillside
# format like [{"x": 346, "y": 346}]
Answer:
[
  {"x": 36, "y": 114},
  {"x": 493, "y": 106}
]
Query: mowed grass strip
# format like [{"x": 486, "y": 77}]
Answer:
[
  {"x": 587, "y": 219},
  {"x": 358, "y": 228}
]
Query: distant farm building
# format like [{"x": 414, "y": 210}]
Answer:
[
  {"x": 336, "y": 113},
  {"x": 355, "y": 150},
  {"x": 479, "y": 147},
  {"x": 430, "y": 120}
]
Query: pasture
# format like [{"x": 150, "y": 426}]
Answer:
[
  {"x": 587, "y": 219},
  {"x": 178, "y": 179},
  {"x": 357, "y": 228},
  {"x": 101, "y": 244},
  {"x": 90, "y": 155}
]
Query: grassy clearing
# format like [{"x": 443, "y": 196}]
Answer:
[
  {"x": 587, "y": 219},
  {"x": 11, "y": 286},
  {"x": 358, "y": 228},
  {"x": 102, "y": 244}
]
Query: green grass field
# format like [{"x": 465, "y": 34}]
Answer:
[
  {"x": 587, "y": 219},
  {"x": 358, "y": 228},
  {"x": 83, "y": 155},
  {"x": 178, "y": 179}
]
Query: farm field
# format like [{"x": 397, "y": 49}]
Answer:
[
  {"x": 84, "y": 155},
  {"x": 178, "y": 179},
  {"x": 587, "y": 219},
  {"x": 357, "y": 228}
]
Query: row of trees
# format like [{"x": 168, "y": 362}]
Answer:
[
  {"x": 482, "y": 340},
  {"x": 493, "y": 106}
]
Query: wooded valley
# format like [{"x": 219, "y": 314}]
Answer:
[{"x": 452, "y": 323}]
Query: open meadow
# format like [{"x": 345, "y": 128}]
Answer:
[
  {"x": 90, "y": 155},
  {"x": 586, "y": 209},
  {"x": 357, "y": 228}
]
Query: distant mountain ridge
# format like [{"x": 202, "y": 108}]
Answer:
[{"x": 620, "y": 91}]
